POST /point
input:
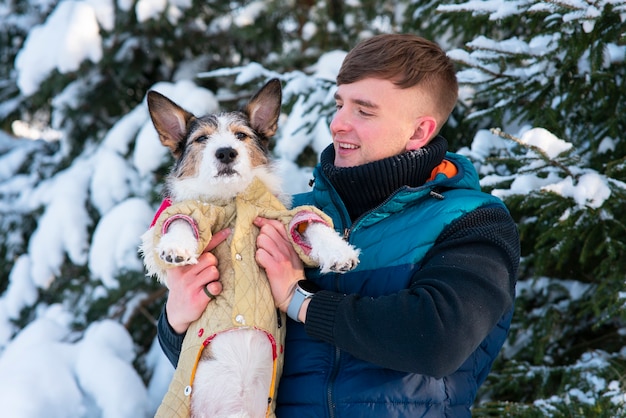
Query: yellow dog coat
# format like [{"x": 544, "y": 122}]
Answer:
[{"x": 246, "y": 299}]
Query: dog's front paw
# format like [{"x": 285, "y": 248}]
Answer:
[
  {"x": 345, "y": 265},
  {"x": 178, "y": 246},
  {"x": 177, "y": 257},
  {"x": 342, "y": 261},
  {"x": 329, "y": 250}
]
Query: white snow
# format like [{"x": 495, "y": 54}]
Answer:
[
  {"x": 151, "y": 9},
  {"x": 45, "y": 373},
  {"x": 70, "y": 35},
  {"x": 591, "y": 189},
  {"x": 62, "y": 229},
  {"x": 123, "y": 225},
  {"x": 548, "y": 142}
]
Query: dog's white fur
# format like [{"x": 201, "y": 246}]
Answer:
[
  {"x": 236, "y": 377},
  {"x": 233, "y": 377}
]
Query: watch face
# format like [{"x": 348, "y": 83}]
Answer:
[{"x": 308, "y": 286}]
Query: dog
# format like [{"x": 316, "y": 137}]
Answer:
[{"x": 231, "y": 359}]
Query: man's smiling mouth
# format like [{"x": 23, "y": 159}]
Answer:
[{"x": 344, "y": 145}]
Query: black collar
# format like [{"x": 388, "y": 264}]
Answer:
[{"x": 365, "y": 186}]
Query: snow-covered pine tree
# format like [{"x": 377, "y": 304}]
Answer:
[{"x": 559, "y": 66}]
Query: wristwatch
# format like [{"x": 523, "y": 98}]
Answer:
[{"x": 305, "y": 289}]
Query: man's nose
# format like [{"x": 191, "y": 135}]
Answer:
[{"x": 339, "y": 122}]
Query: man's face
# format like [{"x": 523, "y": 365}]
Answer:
[{"x": 375, "y": 119}]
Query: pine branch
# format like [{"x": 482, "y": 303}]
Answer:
[
  {"x": 537, "y": 150},
  {"x": 140, "y": 308}
]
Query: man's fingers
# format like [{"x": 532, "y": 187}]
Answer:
[
  {"x": 210, "y": 295},
  {"x": 213, "y": 288},
  {"x": 258, "y": 221},
  {"x": 217, "y": 239},
  {"x": 273, "y": 235},
  {"x": 271, "y": 225}
]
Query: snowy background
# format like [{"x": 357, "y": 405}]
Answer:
[{"x": 47, "y": 368}]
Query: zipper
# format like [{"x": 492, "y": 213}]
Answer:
[
  {"x": 331, "y": 384},
  {"x": 344, "y": 222},
  {"x": 347, "y": 231}
]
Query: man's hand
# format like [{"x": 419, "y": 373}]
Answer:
[
  {"x": 280, "y": 261},
  {"x": 192, "y": 287}
]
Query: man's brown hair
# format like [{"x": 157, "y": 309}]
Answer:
[{"x": 407, "y": 61}]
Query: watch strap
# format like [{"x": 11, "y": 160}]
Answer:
[
  {"x": 297, "y": 300},
  {"x": 304, "y": 290}
]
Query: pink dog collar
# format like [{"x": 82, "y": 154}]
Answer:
[
  {"x": 186, "y": 218},
  {"x": 298, "y": 225}
]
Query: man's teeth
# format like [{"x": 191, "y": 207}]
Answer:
[{"x": 348, "y": 146}]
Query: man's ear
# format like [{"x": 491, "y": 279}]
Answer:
[{"x": 424, "y": 131}]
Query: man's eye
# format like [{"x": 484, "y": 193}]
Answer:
[
  {"x": 241, "y": 135},
  {"x": 362, "y": 113}
]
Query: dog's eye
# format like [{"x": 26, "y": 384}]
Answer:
[
  {"x": 202, "y": 138},
  {"x": 241, "y": 135}
]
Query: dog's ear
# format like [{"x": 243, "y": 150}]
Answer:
[
  {"x": 170, "y": 121},
  {"x": 264, "y": 109}
]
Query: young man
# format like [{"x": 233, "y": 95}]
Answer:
[{"x": 414, "y": 330}]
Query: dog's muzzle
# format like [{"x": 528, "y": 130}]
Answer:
[
  {"x": 225, "y": 158},
  {"x": 226, "y": 155}
]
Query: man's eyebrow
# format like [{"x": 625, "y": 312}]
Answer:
[{"x": 360, "y": 102}]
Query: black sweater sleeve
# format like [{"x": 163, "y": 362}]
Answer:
[
  {"x": 170, "y": 341},
  {"x": 463, "y": 288}
]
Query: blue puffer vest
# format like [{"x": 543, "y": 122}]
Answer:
[{"x": 319, "y": 380}]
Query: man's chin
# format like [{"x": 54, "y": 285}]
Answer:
[{"x": 344, "y": 161}]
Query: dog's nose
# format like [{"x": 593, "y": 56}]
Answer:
[{"x": 226, "y": 155}]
